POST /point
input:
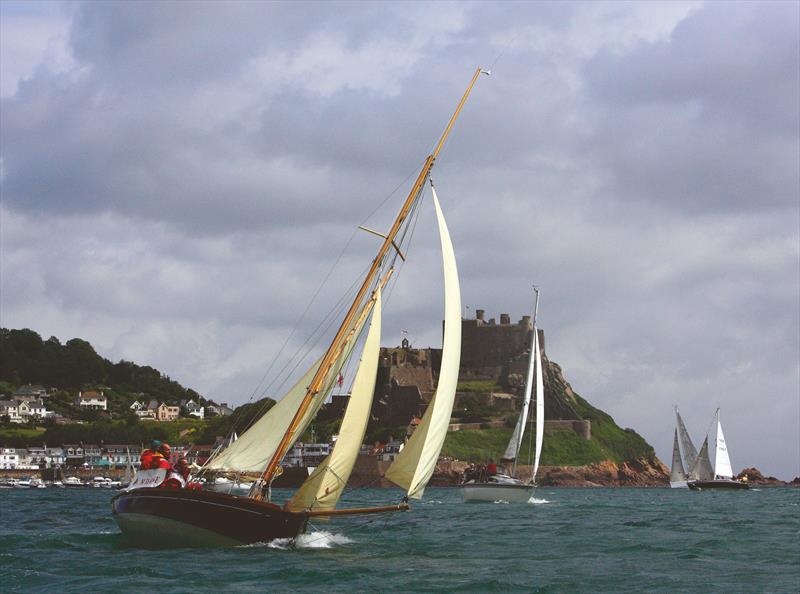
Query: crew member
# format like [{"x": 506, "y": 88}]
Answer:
[
  {"x": 491, "y": 468},
  {"x": 149, "y": 458}
]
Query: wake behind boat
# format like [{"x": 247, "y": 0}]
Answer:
[
  {"x": 502, "y": 487},
  {"x": 150, "y": 513},
  {"x": 701, "y": 475}
]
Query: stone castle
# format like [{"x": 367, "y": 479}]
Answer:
[{"x": 491, "y": 352}]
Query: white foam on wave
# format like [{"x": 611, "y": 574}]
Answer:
[
  {"x": 313, "y": 540},
  {"x": 501, "y": 501},
  {"x": 537, "y": 501}
]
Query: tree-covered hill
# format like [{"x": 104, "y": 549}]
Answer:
[{"x": 27, "y": 359}]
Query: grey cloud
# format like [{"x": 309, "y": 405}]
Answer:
[{"x": 186, "y": 214}]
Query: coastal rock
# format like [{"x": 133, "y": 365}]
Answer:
[
  {"x": 635, "y": 473},
  {"x": 754, "y": 477}
]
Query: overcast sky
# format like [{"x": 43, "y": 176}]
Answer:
[{"x": 178, "y": 179}]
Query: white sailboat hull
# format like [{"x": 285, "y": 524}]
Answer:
[
  {"x": 678, "y": 485},
  {"x": 497, "y": 492}
]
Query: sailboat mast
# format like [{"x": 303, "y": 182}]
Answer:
[{"x": 336, "y": 344}]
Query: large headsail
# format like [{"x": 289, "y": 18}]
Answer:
[
  {"x": 254, "y": 448},
  {"x": 414, "y": 466},
  {"x": 515, "y": 443},
  {"x": 689, "y": 451},
  {"x": 677, "y": 473},
  {"x": 701, "y": 469},
  {"x": 722, "y": 462},
  {"x": 324, "y": 487}
]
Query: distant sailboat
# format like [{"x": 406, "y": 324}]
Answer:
[
  {"x": 502, "y": 487},
  {"x": 186, "y": 517},
  {"x": 702, "y": 474}
]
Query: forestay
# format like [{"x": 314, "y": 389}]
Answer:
[
  {"x": 322, "y": 490},
  {"x": 414, "y": 466}
]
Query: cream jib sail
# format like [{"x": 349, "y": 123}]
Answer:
[
  {"x": 414, "y": 466},
  {"x": 324, "y": 487}
]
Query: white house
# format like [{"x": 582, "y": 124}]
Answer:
[
  {"x": 391, "y": 451},
  {"x": 136, "y": 406},
  {"x": 92, "y": 400},
  {"x": 10, "y": 408},
  {"x": 32, "y": 409},
  {"x": 9, "y": 458},
  {"x": 199, "y": 412}
]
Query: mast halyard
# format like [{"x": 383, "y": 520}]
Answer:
[{"x": 340, "y": 338}]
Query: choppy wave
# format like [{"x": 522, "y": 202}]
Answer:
[{"x": 537, "y": 501}]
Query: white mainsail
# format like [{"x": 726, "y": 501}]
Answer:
[
  {"x": 323, "y": 488},
  {"x": 254, "y": 448},
  {"x": 539, "y": 403},
  {"x": 722, "y": 462},
  {"x": 677, "y": 473},
  {"x": 414, "y": 466},
  {"x": 515, "y": 443}
]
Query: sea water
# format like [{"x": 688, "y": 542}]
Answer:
[{"x": 564, "y": 540}]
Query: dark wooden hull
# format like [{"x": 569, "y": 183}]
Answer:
[
  {"x": 719, "y": 484},
  {"x": 186, "y": 518}
]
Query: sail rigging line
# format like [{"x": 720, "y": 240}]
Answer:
[{"x": 322, "y": 284}]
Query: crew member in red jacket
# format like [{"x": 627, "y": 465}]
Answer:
[{"x": 149, "y": 458}]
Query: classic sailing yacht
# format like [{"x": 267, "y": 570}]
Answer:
[
  {"x": 187, "y": 517},
  {"x": 502, "y": 487},
  {"x": 702, "y": 474}
]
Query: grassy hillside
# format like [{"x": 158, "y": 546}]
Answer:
[{"x": 561, "y": 447}]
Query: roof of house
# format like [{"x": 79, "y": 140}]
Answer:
[
  {"x": 30, "y": 389},
  {"x": 92, "y": 395}
]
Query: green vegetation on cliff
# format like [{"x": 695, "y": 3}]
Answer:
[{"x": 561, "y": 447}]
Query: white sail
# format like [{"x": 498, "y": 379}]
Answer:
[
  {"x": 689, "y": 451},
  {"x": 324, "y": 487},
  {"x": 722, "y": 462},
  {"x": 677, "y": 473},
  {"x": 254, "y": 448},
  {"x": 514, "y": 444},
  {"x": 414, "y": 466},
  {"x": 539, "y": 407},
  {"x": 701, "y": 469}
]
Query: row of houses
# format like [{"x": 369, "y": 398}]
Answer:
[
  {"x": 118, "y": 456},
  {"x": 161, "y": 411},
  {"x": 28, "y": 403}
]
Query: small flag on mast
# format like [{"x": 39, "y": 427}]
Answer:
[{"x": 340, "y": 381}]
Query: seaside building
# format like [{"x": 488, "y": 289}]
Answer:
[
  {"x": 9, "y": 458},
  {"x": 91, "y": 400},
  {"x": 165, "y": 412}
]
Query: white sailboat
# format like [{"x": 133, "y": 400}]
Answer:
[
  {"x": 504, "y": 487},
  {"x": 702, "y": 474},
  {"x": 186, "y": 517}
]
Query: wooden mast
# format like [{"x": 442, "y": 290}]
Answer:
[{"x": 337, "y": 343}]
